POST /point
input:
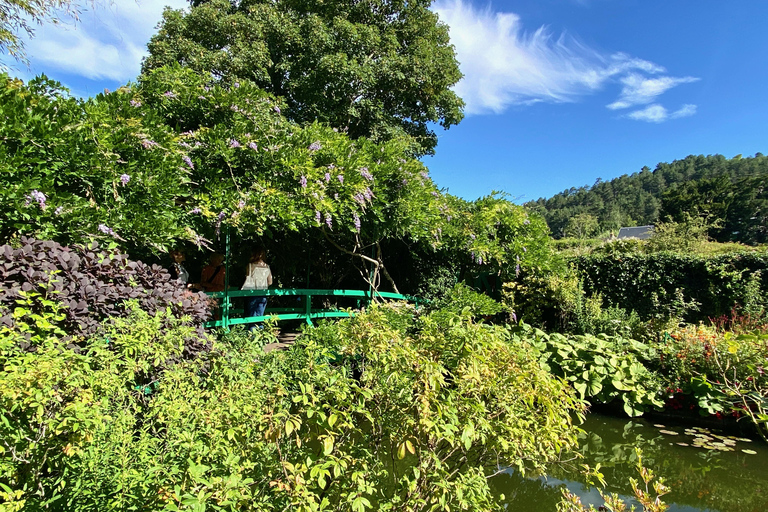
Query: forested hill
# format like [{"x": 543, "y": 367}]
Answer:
[{"x": 708, "y": 186}]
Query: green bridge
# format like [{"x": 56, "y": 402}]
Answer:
[{"x": 304, "y": 311}]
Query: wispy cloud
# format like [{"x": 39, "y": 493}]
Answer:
[
  {"x": 658, "y": 114},
  {"x": 107, "y": 43},
  {"x": 640, "y": 90},
  {"x": 504, "y": 65}
]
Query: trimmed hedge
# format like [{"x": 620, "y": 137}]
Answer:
[{"x": 717, "y": 283}]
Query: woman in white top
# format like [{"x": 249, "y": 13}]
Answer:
[{"x": 262, "y": 276}]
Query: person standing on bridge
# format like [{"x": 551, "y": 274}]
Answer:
[{"x": 258, "y": 277}]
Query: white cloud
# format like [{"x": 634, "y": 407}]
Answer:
[
  {"x": 107, "y": 43},
  {"x": 651, "y": 114},
  {"x": 639, "y": 90},
  {"x": 658, "y": 114},
  {"x": 503, "y": 65},
  {"x": 684, "y": 111}
]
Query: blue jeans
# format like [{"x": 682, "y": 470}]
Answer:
[{"x": 255, "y": 306}]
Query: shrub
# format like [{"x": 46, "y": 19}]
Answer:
[
  {"x": 602, "y": 368},
  {"x": 81, "y": 287},
  {"x": 383, "y": 411}
]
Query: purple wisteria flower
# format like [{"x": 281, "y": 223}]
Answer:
[
  {"x": 472, "y": 236},
  {"x": 135, "y": 103},
  {"x": 424, "y": 174},
  {"x": 253, "y": 146},
  {"x": 331, "y": 167},
  {"x": 276, "y": 109},
  {"x": 188, "y": 161},
  {"x": 434, "y": 193},
  {"x": 148, "y": 143},
  {"x": 106, "y": 230},
  {"x": 185, "y": 145},
  {"x": 328, "y": 221},
  {"x": 241, "y": 204},
  {"x": 59, "y": 210},
  {"x": 318, "y": 217},
  {"x": 195, "y": 211},
  {"x": 169, "y": 94},
  {"x": 124, "y": 179},
  {"x": 233, "y": 143},
  {"x": 336, "y": 196},
  {"x": 237, "y": 84},
  {"x": 303, "y": 182},
  {"x": 517, "y": 266},
  {"x": 341, "y": 179},
  {"x": 327, "y": 177},
  {"x": 525, "y": 250},
  {"x": 526, "y": 222},
  {"x": 315, "y": 146},
  {"x": 219, "y": 220},
  {"x": 357, "y": 223},
  {"x": 36, "y": 196},
  {"x": 365, "y": 174},
  {"x": 359, "y": 198},
  {"x": 367, "y": 194}
]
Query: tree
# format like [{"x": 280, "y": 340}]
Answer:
[
  {"x": 582, "y": 225},
  {"x": 377, "y": 69},
  {"x": 20, "y": 15}
]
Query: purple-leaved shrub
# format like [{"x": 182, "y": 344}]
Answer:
[{"x": 90, "y": 286}]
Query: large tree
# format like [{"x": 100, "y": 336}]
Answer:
[{"x": 374, "y": 68}]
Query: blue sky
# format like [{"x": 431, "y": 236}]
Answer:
[{"x": 558, "y": 92}]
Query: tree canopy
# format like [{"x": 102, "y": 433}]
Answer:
[
  {"x": 176, "y": 157},
  {"x": 712, "y": 187},
  {"x": 378, "y": 68}
]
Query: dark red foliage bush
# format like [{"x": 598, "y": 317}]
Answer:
[{"x": 93, "y": 285}]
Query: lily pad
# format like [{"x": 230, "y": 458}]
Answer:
[
  {"x": 668, "y": 432},
  {"x": 749, "y": 452}
]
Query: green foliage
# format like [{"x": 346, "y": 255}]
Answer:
[
  {"x": 582, "y": 226},
  {"x": 602, "y": 368},
  {"x": 557, "y": 301},
  {"x": 723, "y": 372},
  {"x": 72, "y": 170},
  {"x": 648, "y": 492},
  {"x": 385, "y": 411},
  {"x": 651, "y": 284},
  {"x": 462, "y": 300},
  {"x": 710, "y": 187},
  {"x": 685, "y": 237},
  {"x": 380, "y": 69}
]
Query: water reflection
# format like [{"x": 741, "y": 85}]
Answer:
[{"x": 706, "y": 470}]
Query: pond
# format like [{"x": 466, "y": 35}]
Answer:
[{"x": 707, "y": 471}]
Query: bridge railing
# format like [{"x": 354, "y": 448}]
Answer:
[{"x": 303, "y": 312}]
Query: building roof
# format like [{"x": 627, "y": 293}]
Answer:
[{"x": 639, "y": 232}]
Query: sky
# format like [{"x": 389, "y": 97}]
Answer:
[{"x": 558, "y": 93}]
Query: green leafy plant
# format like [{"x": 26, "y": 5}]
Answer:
[{"x": 601, "y": 368}]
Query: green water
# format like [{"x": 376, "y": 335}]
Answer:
[{"x": 704, "y": 476}]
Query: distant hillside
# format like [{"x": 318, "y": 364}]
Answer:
[{"x": 733, "y": 192}]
